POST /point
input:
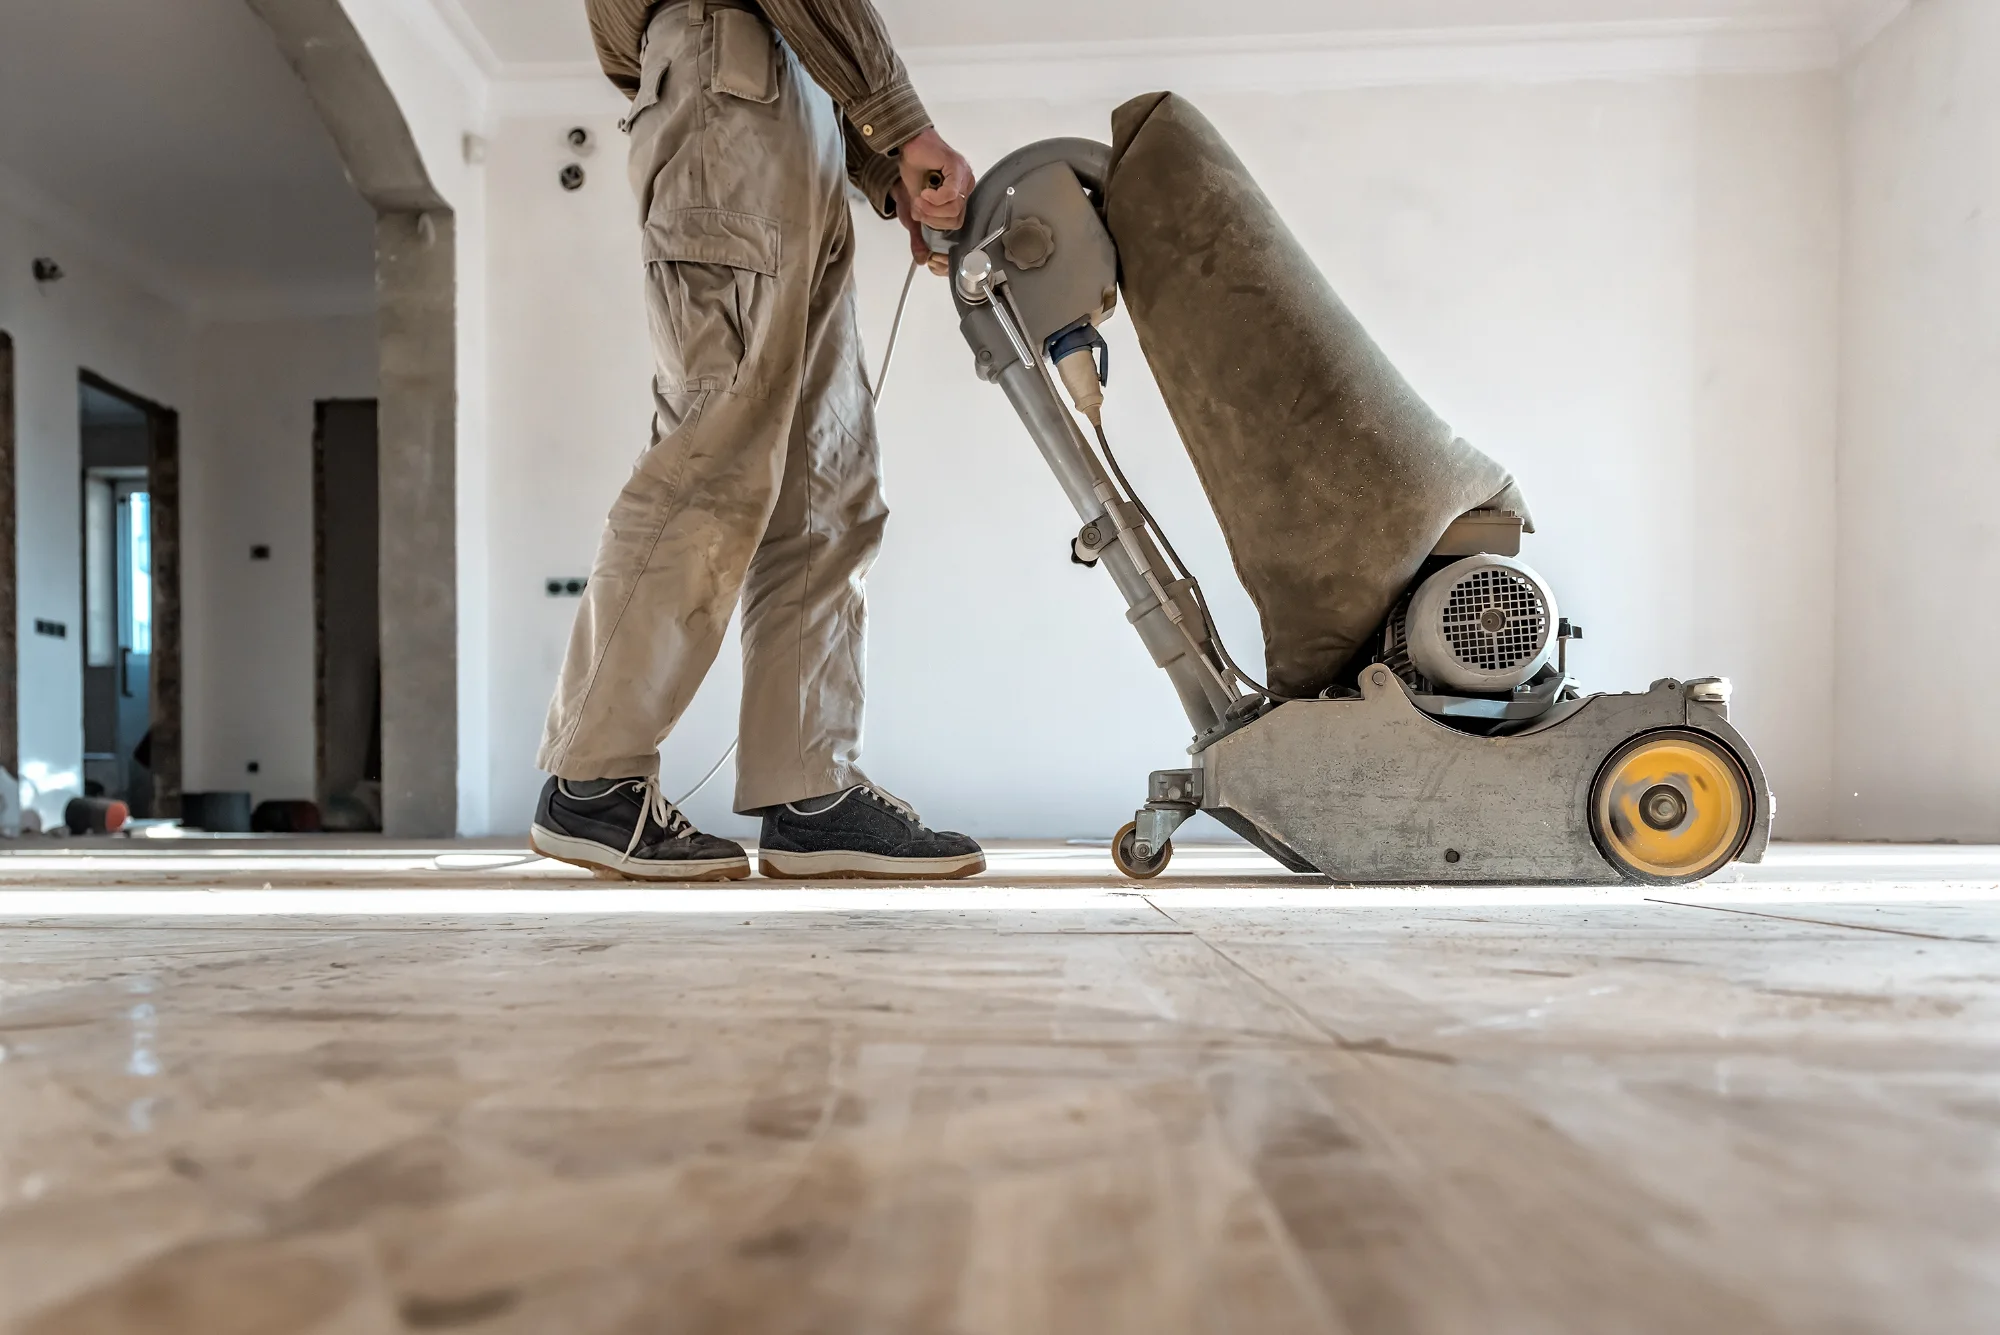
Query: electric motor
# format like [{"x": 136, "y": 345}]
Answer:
[{"x": 1485, "y": 625}]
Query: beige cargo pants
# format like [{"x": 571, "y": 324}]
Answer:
[{"x": 762, "y": 479}]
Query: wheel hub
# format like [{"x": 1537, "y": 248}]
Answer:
[
  {"x": 1663, "y": 807},
  {"x": 1139, "y": 859}
]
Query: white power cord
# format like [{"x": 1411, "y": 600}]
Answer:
[
  {"x": 895, "y": 328},
  {"x": 888, "y": 356},
  {"x": 713, "y": 770}
]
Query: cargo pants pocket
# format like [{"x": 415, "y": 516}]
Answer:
[
  {"x": 746, "y": 56},
  {"x": 652, "y": 81},
  {"x": 712, "y": 279}
]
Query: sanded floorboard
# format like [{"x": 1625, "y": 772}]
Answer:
[{"x": 1230, "y": 1103}]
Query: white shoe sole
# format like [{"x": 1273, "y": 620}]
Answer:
[
  {"x": 609, "y": 863},
  {"x": 843, "y": 865}
]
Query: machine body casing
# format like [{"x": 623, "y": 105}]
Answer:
[{"x": 1374, "y": 790}]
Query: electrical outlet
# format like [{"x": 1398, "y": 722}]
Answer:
[
  {"x": 55, "y": 630},
  {"x": 565, "y": 586}
]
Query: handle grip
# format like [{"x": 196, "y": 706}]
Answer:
[{"x": 939, "y": 242}]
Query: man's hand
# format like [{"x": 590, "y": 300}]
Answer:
[{"x": 943, "y": 206}]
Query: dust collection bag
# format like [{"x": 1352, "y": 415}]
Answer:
[{"x": 1331, "y": 479}]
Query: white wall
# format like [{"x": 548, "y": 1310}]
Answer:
[
  {"x": 1625, "y": 291},
  {"x": 245, "y": 392},
  {"x": 94, "y": 319},
  {"x": 1919, "y": 460},
  {"x": 245, "y": 395},
  {"x": 246, "y": 475}
]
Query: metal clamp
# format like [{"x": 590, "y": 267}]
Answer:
[
  {"x": 977, "y": 272},
  {"x": 1175, "y": 785},
  {"x": 1088, "y": 547}
]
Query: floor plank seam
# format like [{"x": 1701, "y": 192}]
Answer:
[
  {"x": 1374, "y": 1047},
  {"x": 1823, "y": 922}
]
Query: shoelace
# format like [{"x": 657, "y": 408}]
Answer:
[
  {"x": 654, "y": 806},
  {"x": 887, "y": 799},
  {"x": 892, "y": 801}
]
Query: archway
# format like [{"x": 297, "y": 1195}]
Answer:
[{"x": 416, "y": 288}]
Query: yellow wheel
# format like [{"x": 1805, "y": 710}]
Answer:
[
  {"x": 1124, "y": 853},
  {"x": 1670, "y": 807}
]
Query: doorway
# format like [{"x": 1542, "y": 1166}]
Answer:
[
  {"x": 131, "y": 604},
  {"x": 347, "y": 613}
]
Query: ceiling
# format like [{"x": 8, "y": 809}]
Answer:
[
  {"x": 548, "y": 32},
  {"x": 172, "y": 135}
]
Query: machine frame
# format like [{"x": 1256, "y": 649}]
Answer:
[{"x": 1375, "y": 788}]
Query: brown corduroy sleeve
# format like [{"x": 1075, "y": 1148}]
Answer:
[
  {"x": 618, "y": 26},
  {"x": 844, "y": 46},
  {"x": 873, "y": 174}
]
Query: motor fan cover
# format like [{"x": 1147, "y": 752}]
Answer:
[{"x": 1485, "y": 624}]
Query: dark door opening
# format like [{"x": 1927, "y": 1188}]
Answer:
[
  {"x": 130, "y": 549},
  {"x": 347, "y": 613}
]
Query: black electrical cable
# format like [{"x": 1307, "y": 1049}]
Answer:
[{"x": 1200, "y": 599}]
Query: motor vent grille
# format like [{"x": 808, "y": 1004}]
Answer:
[{"x": 1495, "y": 620}]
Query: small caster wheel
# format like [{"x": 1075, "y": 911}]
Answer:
[{"x": 1128, "y": 861}]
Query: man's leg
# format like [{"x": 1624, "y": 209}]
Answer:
[
  {"x": 668, "y": 571},
  {"x": 732, "y": 217},
  {"x": 804, "y": 604},
  {"x": 804, "y": 629},
  {"x": 669, "y": 568}
]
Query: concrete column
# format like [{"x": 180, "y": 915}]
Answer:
[
  {"x": 416, "y": 287},
  {"x": 10, "y": 698}
]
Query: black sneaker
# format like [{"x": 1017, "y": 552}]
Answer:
[
  {"x": 627, "y": 828},
  {"x": 862, "y": 832}
]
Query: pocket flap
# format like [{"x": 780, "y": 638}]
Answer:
[
  {"x": 651, "y": 77},
  {"x": 745, "y": 57},
  {"x": 715, "y": 236}
]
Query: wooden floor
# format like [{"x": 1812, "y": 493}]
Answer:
[{"x": 252, "y": 1089}]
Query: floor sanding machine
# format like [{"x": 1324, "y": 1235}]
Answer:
[{"x": 1417, "y": 721}]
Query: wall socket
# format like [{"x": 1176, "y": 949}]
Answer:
[{"x": 565, "y": 586}]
